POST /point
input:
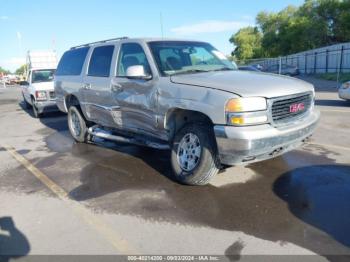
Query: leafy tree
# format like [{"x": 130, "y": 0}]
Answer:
[
  {"x": 4, "y": 71},
  {"x": 248, "y": 43},
  {"x": 342, "y": 30},
  {"x": 21, "y": 70},
  {"x": 314, "y": 24}
]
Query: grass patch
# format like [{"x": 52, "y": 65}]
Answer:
[{"x": 343, "y": 77}]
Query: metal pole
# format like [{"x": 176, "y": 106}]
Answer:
[
  {"x": 339, "y": 67},
  {"x": 341, "y": 58},
  {"x": 280, "y": 66},
  {"x": 315, "y": 62},
  {"x": 305, "y": 66},
  {"x": 298, "y": 62},
  {"x": 327, "y": 52}
]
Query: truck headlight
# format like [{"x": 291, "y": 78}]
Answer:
[
  {"x": 246, "y": 104},
  {"x": 246, "y": 111},
  {"x": 40, "y": 95}
]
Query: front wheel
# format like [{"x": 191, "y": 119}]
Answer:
[
  {"x": 26, "y": 104},
  {"x": 194, "y": 157},
  {"x": 77, "y": 125},
  {"x": 35, "y": 110}
]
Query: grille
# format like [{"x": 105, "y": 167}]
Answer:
[
  {"x": 281, "y": 108},
  {"x": 52, "y": 95}
]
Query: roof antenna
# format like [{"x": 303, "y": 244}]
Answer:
[{"x": 161, "y": 24}]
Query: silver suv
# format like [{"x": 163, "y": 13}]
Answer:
[{"x": 184, "y": 96}]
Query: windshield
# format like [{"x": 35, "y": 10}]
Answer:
[
  {"x": 178, "y": 57},
  {"x": 43, "y": 75}
]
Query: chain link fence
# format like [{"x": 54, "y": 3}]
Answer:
[{"x": 329, "y": 63}]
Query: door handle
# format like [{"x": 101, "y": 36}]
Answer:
[
  {"x": 116, "y": 87},
  {"x": 87, "y": 86}
]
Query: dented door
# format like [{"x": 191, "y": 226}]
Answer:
[{"x": 137, "y": 98}]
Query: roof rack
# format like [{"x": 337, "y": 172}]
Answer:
[{"x": 99, "y": 42}]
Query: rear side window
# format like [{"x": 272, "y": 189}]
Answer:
[
  {"x": 100, "y": 62},
  {"x": 72, "y": 62}
]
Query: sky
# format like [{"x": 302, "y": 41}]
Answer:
[{"x": 59, "y": 24}]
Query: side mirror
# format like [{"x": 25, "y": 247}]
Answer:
[
  {"x": 137, "y": 72},
  {"x": 24, "y": 83}
]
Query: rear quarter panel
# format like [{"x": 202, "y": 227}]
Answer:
[{"x": 67, "y": 85}]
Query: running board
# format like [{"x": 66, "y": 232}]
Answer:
[{"x": 101, "y": 133}]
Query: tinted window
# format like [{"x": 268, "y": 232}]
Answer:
[
  {"x": 132, "y": 54},
  {"x": 100, "y": 62},
  {"x": 72, "y": 62},
  {"x": 43, "y": 76}
]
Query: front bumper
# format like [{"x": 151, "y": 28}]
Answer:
[
  {"x": 242, "y": 145},
  {"x": 46, "y": 106}
]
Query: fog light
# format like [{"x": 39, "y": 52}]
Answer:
[{"x": 237, "y": 120}]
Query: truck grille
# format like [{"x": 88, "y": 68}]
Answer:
[
  {"x": 287, "y": 109},
  {"x": 52, "y": 95}
]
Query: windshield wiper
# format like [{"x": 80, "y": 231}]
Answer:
[{"x": 191, "y": 71}]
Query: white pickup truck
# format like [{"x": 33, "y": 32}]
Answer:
[{"x": 38, "y": 89}]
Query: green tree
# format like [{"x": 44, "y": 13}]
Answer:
[
  {"x": 314, "y": 24},
  {"x": 21, "y": 70},
  {"x": 4, "y": 71},
  {"x": 275, "y": 28},
  {"x": 248, "y": 43},
  {"x": 342, "y": 30}
]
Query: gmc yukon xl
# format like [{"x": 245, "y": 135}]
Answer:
[{"x": 184, "y": 96}]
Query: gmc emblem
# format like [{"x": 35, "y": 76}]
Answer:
[{"x": 296, "y": 107}]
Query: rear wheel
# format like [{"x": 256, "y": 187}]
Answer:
[
  {"x": 194, "y": 155},
  {"x": 77, "y": 125}
]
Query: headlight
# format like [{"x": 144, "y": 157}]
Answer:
[
  {"x": 40, "y": 95},
  {"x": 345, "y": 85},
  {"x": 247, "y": 104},
  {"x": 246, "y": 111}
]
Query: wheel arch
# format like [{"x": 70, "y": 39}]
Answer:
[
  {"x": 70, "y": 100},
  {"x": 73, "y": 100},
  {"x": 176, "y": 118}
]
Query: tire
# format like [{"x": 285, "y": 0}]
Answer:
[
  {"x": 35, "y": 110},
  {"x": 202, "y": 163},
  {"x": 26, "y": 104},
  {"x": 77, "y": 125}
]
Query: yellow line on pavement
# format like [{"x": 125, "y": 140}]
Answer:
[{"x": 113, "y": 237}]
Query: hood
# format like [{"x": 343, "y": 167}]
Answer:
[
  {"x": 44, "y": 86},
  {"x": 245, "y": 83}
]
